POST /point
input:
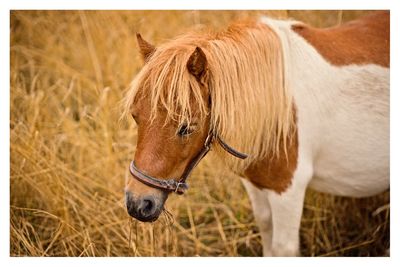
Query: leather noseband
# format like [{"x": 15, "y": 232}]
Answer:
[{"x": 179, "y": 187}]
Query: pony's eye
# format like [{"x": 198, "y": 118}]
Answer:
[{"x": 185, "y": 130}]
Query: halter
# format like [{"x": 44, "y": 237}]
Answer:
[{"x": 179, "y": 187}]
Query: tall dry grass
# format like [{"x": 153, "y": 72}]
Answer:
[{"x": 69, "y": 153}]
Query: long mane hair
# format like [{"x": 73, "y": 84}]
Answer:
[{"x": 251, "y": 105}]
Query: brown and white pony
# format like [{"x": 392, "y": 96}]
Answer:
[{"x": 310, "y": 107}]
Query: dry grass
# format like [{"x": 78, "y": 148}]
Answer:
[{"x": 69, "y": 154}]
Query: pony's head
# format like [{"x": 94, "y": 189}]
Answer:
[
  {"x": 226, "y": 86},
  {"x": 169, "y": 102}
]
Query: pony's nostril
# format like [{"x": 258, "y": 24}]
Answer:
[{"x": 146, "y": 206}]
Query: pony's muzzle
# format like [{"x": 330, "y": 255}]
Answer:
[{"x": 145, "y": 208}]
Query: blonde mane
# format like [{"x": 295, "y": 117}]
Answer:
[{"x": 251, "y": 106}]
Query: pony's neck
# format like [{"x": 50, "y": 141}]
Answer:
[
  {"x": 310, "y": 77},
  {"x": 252, "y": 107}
]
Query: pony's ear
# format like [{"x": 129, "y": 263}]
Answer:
[
  {"x": 197, "y": 63},
  {"x": 146, "y": 49}
]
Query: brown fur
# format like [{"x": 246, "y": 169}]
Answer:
[
  {"x": 356, "y": 42},
  {"x": 276, "y": 173}
]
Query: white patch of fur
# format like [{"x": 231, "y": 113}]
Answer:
[{"x": 343, "y": 131}]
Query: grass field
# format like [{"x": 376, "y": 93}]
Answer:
[{"x": 70, "y": 152}]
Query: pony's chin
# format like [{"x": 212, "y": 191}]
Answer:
[{"x": 150, "y": 220}]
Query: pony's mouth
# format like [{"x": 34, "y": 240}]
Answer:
[{"x": 140, "y": 217}]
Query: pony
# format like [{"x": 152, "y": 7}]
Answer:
[{"x": 306, "y": 107}]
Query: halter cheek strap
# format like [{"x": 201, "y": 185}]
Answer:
[{"x": 179, "y": 187}]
